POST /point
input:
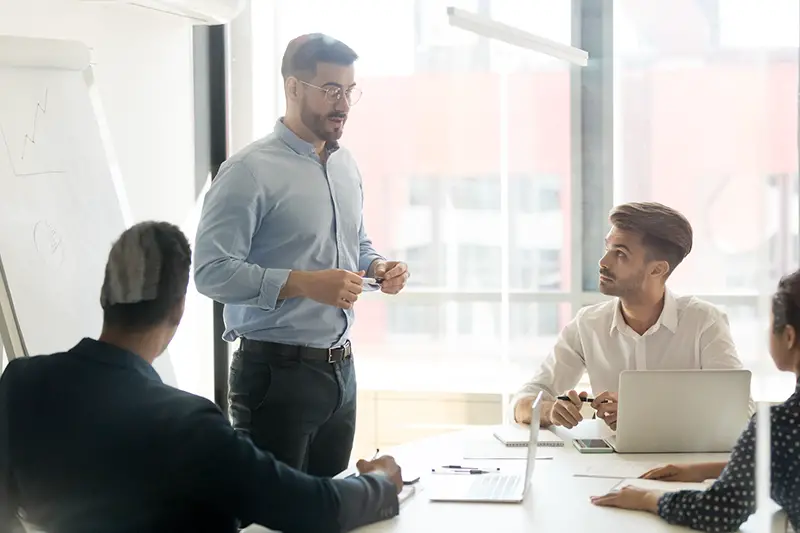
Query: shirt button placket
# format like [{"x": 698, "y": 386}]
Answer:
[{"x": 641, "y": 353}]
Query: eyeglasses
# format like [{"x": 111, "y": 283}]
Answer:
[{"x": 334, "y": 94}]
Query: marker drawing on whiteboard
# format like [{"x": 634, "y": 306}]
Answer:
[
  {"x": 49, "y": 243},
  {"x": 32, "y": 137},
  {"x": 28, "y": 138}
]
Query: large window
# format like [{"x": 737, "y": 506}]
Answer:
[
  {"x": 705, "y": 120},
  {"x": 474, "y": 157},
  {"x": 465, "y": 148}
]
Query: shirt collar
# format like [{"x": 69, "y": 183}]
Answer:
[
  {"x": 299, "y": 145},
  {"x": 110, "y": 354},
  {"x": 668, "y": 317}
]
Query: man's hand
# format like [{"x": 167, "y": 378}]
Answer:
[
  {"x": 689, "y": 473},
  {"x": 568, "y": 413},
  {"x": 394, "y": 275},
  {"x": 629, "y": 498},
  {"x": 339, "y": 288},
  {"x": 385, "y": 465},
  {"x": 606, "y": 404},
  {"x": 523, "y": 410}
]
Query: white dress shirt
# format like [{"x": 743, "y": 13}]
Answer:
[{"x": 689, "y": 334}]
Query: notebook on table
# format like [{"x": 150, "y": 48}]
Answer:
[{"x": 516, "y": 435}]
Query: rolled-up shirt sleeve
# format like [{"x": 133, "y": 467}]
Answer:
[{"x": 233, "y": 209}]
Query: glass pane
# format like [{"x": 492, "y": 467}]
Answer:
[
  {"x": 706, "y": 122},
  {"x": 459, "y": 329},
  {"x": 534, "y": 329},
  {"x": 539, "y": 259},
  {"x": 539, "y": 166},
  {"x": 750, "y": 331},
  {"x": 428, "y": 331}
]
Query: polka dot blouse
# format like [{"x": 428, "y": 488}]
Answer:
[{"x": 728, "y": 503}]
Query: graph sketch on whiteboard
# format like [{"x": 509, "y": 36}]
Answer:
[
  {"x": 49, "y": 243},
  {"x": 41, "y": 108},
  {"x": 30, "y": 161}
]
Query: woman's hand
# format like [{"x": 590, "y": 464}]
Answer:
[
  {"x": 690, "y": 473},
  {"x": 629, "y": 498}
]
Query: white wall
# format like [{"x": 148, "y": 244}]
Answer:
[{"x": 143, "y": 69}]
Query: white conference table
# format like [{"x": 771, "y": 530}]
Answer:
[{"x": 557, "y": 500}]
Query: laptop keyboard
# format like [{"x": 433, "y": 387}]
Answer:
[{"x": 494, "y": 487}]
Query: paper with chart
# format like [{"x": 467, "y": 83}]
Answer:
[{"x": 62, "y": 201}]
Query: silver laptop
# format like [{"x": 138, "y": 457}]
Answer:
[
  {"x": 681, "y": 411},
  {"x": 499, "y": 487}
]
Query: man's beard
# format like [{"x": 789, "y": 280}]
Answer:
[
  {"x": 316, "y": 124},
  {"x": 622, "y": 288}
]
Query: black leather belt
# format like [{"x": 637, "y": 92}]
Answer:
[{"x": 331, "y": 355}]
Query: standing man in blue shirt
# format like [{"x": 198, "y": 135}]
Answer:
[{"x": 281, "y": 243}]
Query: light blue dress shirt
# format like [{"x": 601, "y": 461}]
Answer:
[{"x": 275, "y": 207}]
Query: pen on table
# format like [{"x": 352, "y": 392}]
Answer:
[
  {"x": 471, "y": 471},
  {"x": 459, "y": 467}
]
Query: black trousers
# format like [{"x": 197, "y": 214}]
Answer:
[{"x": 301, "y": 410}]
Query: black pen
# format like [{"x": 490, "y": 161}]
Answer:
[
  {"x": 471, "y": 471},
  {"x": 587, "y": 400},
  {"x": 582, "y": 398},
  {"x": 459, "y": 467}
]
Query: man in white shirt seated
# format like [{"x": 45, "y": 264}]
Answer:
[{"x": 645, "y": 327}]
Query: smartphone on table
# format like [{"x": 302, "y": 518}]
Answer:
[{"x": 592, "y": 446}]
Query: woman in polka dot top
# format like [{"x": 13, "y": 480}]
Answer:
[{"x": 727, "y": 504}]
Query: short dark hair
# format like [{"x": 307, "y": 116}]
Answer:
[
  {"x": 176, "y": 260},
  {"x": 304, "y": 53},
  {"x": 666, "y": 233},
  {"x": 786, "y": 303}
]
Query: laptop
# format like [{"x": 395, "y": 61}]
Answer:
[
  {"x": 681, "y": 411},
  {"x": 499, "y": 487}
]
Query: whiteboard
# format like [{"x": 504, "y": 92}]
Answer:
[{"x": 62, "y": 200}]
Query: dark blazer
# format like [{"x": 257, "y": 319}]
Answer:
[{"x": 91, "y": 440}]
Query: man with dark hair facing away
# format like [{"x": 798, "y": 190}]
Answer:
[
  {"x": 645, "y": 327},
  {"x": 91, "y": 440}
]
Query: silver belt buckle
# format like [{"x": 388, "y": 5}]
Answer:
[{"x": 344, "y": 347}]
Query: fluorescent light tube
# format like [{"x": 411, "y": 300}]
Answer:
[{"x": 503, "y": 32}]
